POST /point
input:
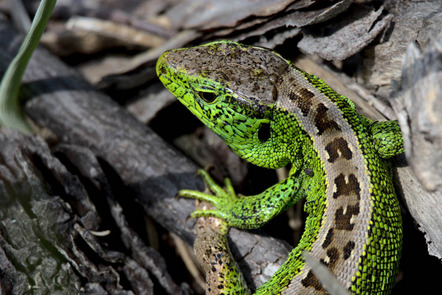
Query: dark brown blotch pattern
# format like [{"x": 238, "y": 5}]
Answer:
[
  {"x": 303, "y": 99},
  {"x": 343, "y": 219},
  {"x": 338, "y": 148},
  {"x": 348, "y": 248},
  {"x": 333, "y": 256},
  {"x": 322, "y": 120},
  {"x": 328, "y": 238},
  {"x": 346, "y": 188},
  {"x": 312, "y": 281}
]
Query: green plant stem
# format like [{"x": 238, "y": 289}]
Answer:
[{"x": 11, "y": 114}]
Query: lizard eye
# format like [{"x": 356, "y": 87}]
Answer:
[
  {"x": 208, "y": 97},
  {"x": 264, "y": 132}
]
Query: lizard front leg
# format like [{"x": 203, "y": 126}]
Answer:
[{"x": 246, "y": 211}]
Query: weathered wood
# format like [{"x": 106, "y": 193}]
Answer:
[
  {"x": 43, "y": 214},
  {"x": 418, "y": 105}
]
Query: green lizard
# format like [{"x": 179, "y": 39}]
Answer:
[{"x": 271, "y": 113}]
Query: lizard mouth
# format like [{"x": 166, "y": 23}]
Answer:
[{"x": 163, "y": 67}]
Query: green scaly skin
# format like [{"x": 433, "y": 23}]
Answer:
[{"x": 271, "y": 114}]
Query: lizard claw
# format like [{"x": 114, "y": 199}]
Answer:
[{"x": 220, "y": 199}]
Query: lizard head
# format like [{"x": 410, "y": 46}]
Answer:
[{"x": 231, "y": 88}]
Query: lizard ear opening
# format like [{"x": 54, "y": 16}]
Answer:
[
  {"x": 264, "y": 132},
  {"x": 208, "y": 97}
]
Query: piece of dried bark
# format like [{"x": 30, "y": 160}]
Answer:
[
  {"x": 142, "y": 258},
  {"x": 126, "y": 35},
  {"x": 88, "y": 35},
  {"x": 419, "y": 106},
  {"x": 42, "y": 234},
  {"x": 288, "y": 26},
  {"x": 417, "y": 101},
  {"x": 208, "y": 15},
  {"x": 413, "y": 21},
  {"x": 342, "y": 38},
  {"x": 283, "y": 21}
]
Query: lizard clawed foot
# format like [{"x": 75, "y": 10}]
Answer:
[{"x": 220, "y": 198}]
